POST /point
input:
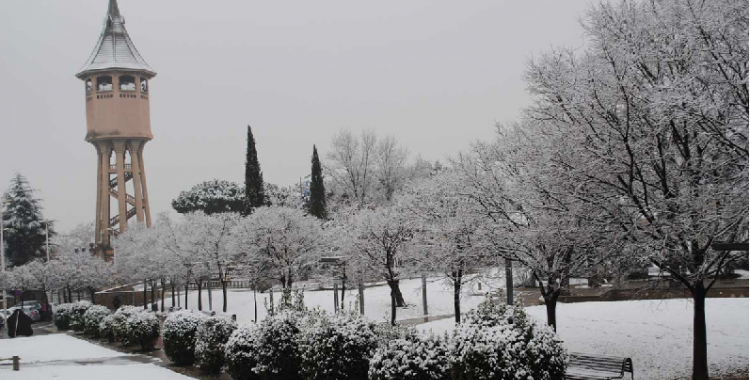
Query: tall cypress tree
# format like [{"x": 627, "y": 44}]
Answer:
[
  {"x": 24, "y": 223},
  {"x": 316, "y": 205},
  {"x": 254, "y": 196}
]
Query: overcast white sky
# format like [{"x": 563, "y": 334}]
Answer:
[{"x": 437, "y": 75}]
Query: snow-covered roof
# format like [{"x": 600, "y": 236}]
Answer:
[{"x": 115, "y": 49}]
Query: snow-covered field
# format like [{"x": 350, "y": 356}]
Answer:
[
  {"x": 656, "y": 334},
  {"x": 63, "y": 357},
  {"x": 377, "y": 300}
]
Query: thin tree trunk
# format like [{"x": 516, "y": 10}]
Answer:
[
  {"x": 187, "y": 290},
  {"x": 70, "y": 294},
  {"x": 509, "y": 280},
  {"x": 171, "y": 283},
  {"x": 154, "y": 305},
  {"x": 361, "y": 298},
  {"x": 145, "y": 294},
  {"x": 396, "y": 293},
  {"x": 224, "y": 291},
  {"x": 255, "y": 305},
  {"x": 78, "y": 293},
  {"x": 425, "y": 311},
  {"x": 335, "y": 297},
  {"x": 93, "y": 295},
  {"x": 210, "y": 297},
  {"x": 163, "y": 287},
  {"x": 343, "y": 291},
  {"x": 178, "y": 297},
  {"x": 200, "y": 295},
  {"x": 393, "y": 308},
  {"x": 700, "y": 344},
  {"x": 457, "y": 280}
]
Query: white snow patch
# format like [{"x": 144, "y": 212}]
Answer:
[{"x": 54, "y": 347}]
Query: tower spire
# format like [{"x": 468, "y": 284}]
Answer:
[{"x": 113, "y": 12}]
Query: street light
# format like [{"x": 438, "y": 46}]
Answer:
[{"x": 2, "y": 253}]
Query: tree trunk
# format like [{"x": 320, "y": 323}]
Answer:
[
  {"x": 700, "y": 344},
  {"x": 171, "y": 283},
  {"x": 70, "y": 294},
  {"x": 361, "y": 298},
  {"x": 457, "y": 280},
  {"x": 509, "y": 280},
  {"x": 78, "y": 293},
  {"x": 550, "y": 302},
  {"x": 187, "y": 290},
  {"x": 393, "y": 309},
  {"x": 154, "y": 305},
  {"x": 335, "y": 297},
  {"x": 224, "y": 293},
  {"x": 343, "y": 291},
  {"x": 255, "y": 306},
  {"x": 163, "y": 287},
  {"x": 145, "y": 294},
  {"x": 425, "y": 311},
  {"x": 210, "y": 297},
  {"x": 200, "y": 295},
  {"x": 93, "y": 295},
  {"x": 178, "y": 296},
  {"x": 396, "y": 293}
]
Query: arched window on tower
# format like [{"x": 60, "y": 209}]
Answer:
[
  {"x": 127, "y": 83},
  {"x": 104, "y": 83},
  {"x": 144, "y": 85},
  {"x": 88, "y": 86}
]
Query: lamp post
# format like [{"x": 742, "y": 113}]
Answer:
[
  {"x": 2, "y": 253},
  {"x": 46, "y": 237}
]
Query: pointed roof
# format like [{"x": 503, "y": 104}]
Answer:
[{"x": 115, "y": 49}]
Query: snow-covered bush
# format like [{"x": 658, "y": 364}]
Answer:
[
  {"x": 266, "y": 351},
  {"x": 120, "y": 325},
  {"x": 500, "y": 342},
  {"x": 210, "y": 341},
  {"x": 107, "y": 329},
  {"x": 240, "y": 355},
  {"x": 412, "y": 359},
  {"x": 179, "y": 336},
  {"x": 62, "y": 316},
  {"x": 143, "y": 328},
  {"x": 77, "y": 310},
  {"x": 337, "y": 347},
  {"x": 92, "y": 318}
]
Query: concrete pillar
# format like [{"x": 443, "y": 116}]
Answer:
[
  {"x": 145, "y": 188},
  {"x": 103, "y": 196},
  {"x": 134, "y": 149},
  {"x": 98, "y": 219},
  {"x": 121, "y": 196}
]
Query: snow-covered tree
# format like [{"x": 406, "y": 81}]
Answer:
[
  {"x": 446, "y": 224},
  {"x": 380, "y": 240},
  {"x": 284, "y": 241},
  {"x": 24, "y": 223},
  {"x": 211, "y": 197},
  {"x": 351, "y": 164},
  {"x": 656, "y": 107}
]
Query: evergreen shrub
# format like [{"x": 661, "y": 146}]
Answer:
[
  {"x": 92, "y": 318},
  {"x": 336, "y": 347},
  {"x": 210, "y": 340},
  {"x": 179, "y": 336}
]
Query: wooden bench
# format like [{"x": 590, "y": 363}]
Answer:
[{"x": 597, "y": 367}]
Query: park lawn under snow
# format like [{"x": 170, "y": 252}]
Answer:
[
  {"x": 377, "y": 300},
  {"x": 656, "y": 334},
  {"x": 63, "y": 357}
]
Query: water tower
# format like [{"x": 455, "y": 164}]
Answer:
[{"x": 116, "y": 84}]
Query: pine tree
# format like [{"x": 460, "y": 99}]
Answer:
[
  {"x": 24, "y": 223},
  {"x": 254, "y": 195},
  {"x": 316, "y": 205}
]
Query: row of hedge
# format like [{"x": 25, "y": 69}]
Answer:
[
  {"x": 493, "y": 342},
  {"x": 128, "y": 325}
]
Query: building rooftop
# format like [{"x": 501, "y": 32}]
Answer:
[{"x": 115, "y": 49}]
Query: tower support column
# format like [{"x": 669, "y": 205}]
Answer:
[
  {"x": 146, "y": 205},
  {"x": 137, "y": 168},
  {"x": 98, "y": 219},
  {"x": 103, "y": 196},
  {"x": 121, "y": 194}
]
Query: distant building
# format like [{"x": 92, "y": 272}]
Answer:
[{"x": 117, "y": 89}]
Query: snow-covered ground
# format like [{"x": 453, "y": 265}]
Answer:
[
  {"x": 656, "y": 334},
  {"x": 377, "y": 300},
  {"x": 63, "y": 357}
]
